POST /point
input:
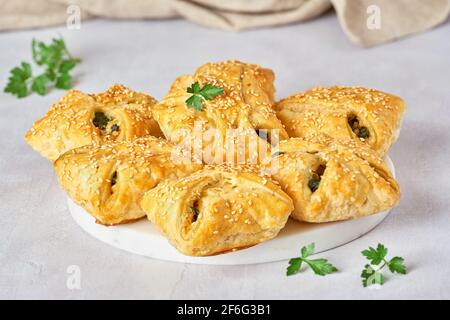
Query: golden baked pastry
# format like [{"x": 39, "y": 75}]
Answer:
[
  {"x": 332, "y": 179},
  {"x": 218, "y": 209},
  {"x": 79, "y": 119},
  {"x": 109, "y": 180},
  {"x": 344, "y": 112},
  {"x": 245, "y": 104}
]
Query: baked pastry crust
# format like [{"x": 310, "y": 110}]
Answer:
[
  {"x": 333, "y": 179},
  {"x": 246, "y": 104},
  {"x": 109, "y": 180},
  {"x": 344, "y": 112},
  {"x": 218, "y": 209},
  {"x": 79, "y": 119}
]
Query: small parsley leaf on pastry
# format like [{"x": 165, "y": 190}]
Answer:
[
  {"x": 115, "y": 127},
  {"x": 376, "y": 256},
  {"x": 207, "y": 92},
  {"x": 56, "y": 62},
  {"x": 319, "y": 266},
  {"x": 371, "y": 276},
  {"x": 39, "y": 84}
]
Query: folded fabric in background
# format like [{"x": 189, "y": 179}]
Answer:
[{"x": 397, "y": 18}]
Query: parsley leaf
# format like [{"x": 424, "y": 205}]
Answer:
[
  {"x": 375, "y": 255},
  {"x": 67, "y": 65},
  {"x": 396, "y": 265},
  {"x": 294, "y": 266},
  {"x": 17, "y": 81},
  {"x": 56, "y": 61},
  {"x": 39, "y": 84},
  {"x": 371, "y": 276},
  {"x": 207, "y": 92},
  {"x": 319, "y": 266}
]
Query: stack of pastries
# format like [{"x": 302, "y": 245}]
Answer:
[{"x": 117, "y": 154}]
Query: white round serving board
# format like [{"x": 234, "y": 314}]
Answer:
[{"x": 142, "y": 238}]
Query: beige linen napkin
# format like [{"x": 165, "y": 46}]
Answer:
[{"x": 395, "y": 18}]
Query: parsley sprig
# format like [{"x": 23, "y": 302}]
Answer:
[
  {"x": 56, "y": 62},
  {"x": 207, "y": 92},
  {"x": 371, "y": 275},
  {"x": 319, "y": 266}
]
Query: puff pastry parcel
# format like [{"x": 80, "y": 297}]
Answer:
[
  {"x": 246, "y": 104},
  {"x": 218, "y": 209},
  {"x": 79, "y": 119},
  {"x": 108, "y": 181},
  {"x": 332, "y": 180},
  {"x": 344, "y": 112}
]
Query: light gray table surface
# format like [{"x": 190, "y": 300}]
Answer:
[{"x": 39, "y": 239}]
